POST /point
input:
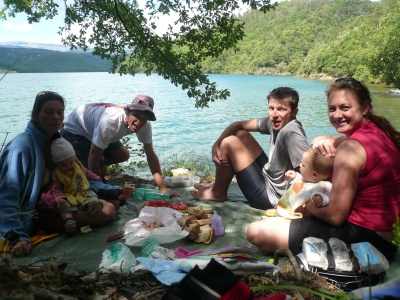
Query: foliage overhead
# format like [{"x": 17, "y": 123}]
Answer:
[{"x": 125, "y": 33}]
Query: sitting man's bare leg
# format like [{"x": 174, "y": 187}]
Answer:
[{"x": 238, "y": 156}]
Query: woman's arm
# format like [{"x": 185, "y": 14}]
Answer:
[{"x": 350, "y": 158}]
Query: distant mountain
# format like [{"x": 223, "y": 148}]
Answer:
[
  {"x": 54, "y": 47},
  {"x": 17, "y": 58}
]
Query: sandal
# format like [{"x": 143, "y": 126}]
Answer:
[
  {"x": 70, "y": 227},
  {"x": 94, "y": 207}
]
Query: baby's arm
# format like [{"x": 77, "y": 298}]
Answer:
[
  {"x": 57, "y": 191},
  {"x": 290, "y": 175},
  {"x": 321, "y": 198},
  {"x": 317, "y": 200},
  {"x": 60, "y": 202}
]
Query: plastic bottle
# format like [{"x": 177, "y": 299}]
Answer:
[
  {"x": 216, "y": 223},
  {"x": 150, "y": 194}
]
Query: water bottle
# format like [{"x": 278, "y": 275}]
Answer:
[
  {"x": 150, "y": 194},
  {"x": 216, "y": 223}
]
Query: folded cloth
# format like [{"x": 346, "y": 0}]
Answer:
[
  {"x": 164, "y": 270},
  {"x": 35, "y": 239}
]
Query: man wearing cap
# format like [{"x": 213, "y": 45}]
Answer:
[{"x": 95, "y": 131}]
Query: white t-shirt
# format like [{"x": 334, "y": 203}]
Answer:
[{"x": 102, "y": 124}]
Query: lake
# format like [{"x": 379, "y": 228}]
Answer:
[{"x": 180, "y": 128}]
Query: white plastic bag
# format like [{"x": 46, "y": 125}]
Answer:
[
  {"x": 181, "y": 181},
  {"x": 340, "y": 255},
  {"x": 118, "y": 258},
  {"x": 165, "y": 226},
  {"x": 315, "y": 251}
]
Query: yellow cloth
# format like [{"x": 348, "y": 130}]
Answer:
[
  {"x": 46, "y": 178},
  {"x": 75, "y": 183},
  {"x": 300, "y": 193},
  {"x": 35, "y": 239}
]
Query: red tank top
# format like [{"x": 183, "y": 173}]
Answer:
[{"x": 377, "y": 201}]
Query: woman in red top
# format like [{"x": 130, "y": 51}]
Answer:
[{"x": 365, "y": 200}]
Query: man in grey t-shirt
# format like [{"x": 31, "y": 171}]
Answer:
[{"x": 236, "y": 152}]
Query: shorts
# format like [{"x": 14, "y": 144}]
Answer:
[
  {"x": 90, "y": 196},
  {"x": 252, "y": 183},
  {"x": 82, "y": 147},
  {"x": 348, "y": 233}
]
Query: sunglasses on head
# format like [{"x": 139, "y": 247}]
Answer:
[
  {"x": 46, "y": 93},
  {"x": 349, "y": 80}
]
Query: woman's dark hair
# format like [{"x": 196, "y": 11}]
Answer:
[
  {"x": 285, "y": 94},
  {"x": 43, "y": 97},
  {"x": 363, "y": 96}
]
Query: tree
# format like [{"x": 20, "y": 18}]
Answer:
[
  {"x": 123, "y": 32},
  {"x": 386, "y": 61}
]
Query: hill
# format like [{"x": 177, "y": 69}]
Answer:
[
  {"x": 310, "y": 38},
  {"x": 31, "y": 60},
  {"x": 314, "y": 38}
]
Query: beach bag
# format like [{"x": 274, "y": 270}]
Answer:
[{"x": 348, "y": 267}]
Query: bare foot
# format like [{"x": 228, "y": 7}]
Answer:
[
  {"x": 199, "y": 186},
  {"x": 207, "y": 193}
]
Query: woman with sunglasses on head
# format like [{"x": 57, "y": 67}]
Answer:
[
  {"x": 23, "y": 173},
  {"x": 365, "y": 200}
]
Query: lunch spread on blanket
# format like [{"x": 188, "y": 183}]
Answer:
[{"x": 171, "y": 222}]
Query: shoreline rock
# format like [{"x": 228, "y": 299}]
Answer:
[{"x": 395, "y": 92}]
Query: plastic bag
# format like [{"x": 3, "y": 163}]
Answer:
[
  {"x": 370, "y": 259},
  {"x": 117, "y": 258},
  {"x": 315, "y": 251},
  {"x": 181, "y": 181},
  {"x": 340, "y": 255},
  {"x": 160, "y": 223}
]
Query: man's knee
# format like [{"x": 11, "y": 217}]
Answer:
[
  {"x": 124, "y": 154},
  {"x": 230, "y": 142},
  {"x": 242, "y": 134},
  {"x": 118, "y": 155}
]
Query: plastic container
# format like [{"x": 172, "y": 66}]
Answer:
[
  {"x": 216, "y": 223},
  {"x": 150, "y": 194},
  {"x": 148, "y": 247}
]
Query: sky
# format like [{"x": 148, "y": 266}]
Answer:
[{"x": 45, "y": 32}]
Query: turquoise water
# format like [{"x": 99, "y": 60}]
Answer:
[{"x": 180, "y": 127}]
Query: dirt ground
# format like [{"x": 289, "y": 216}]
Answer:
[
  {"x": 49, "y": 281},
  {"x": 30, "y": 282}
]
